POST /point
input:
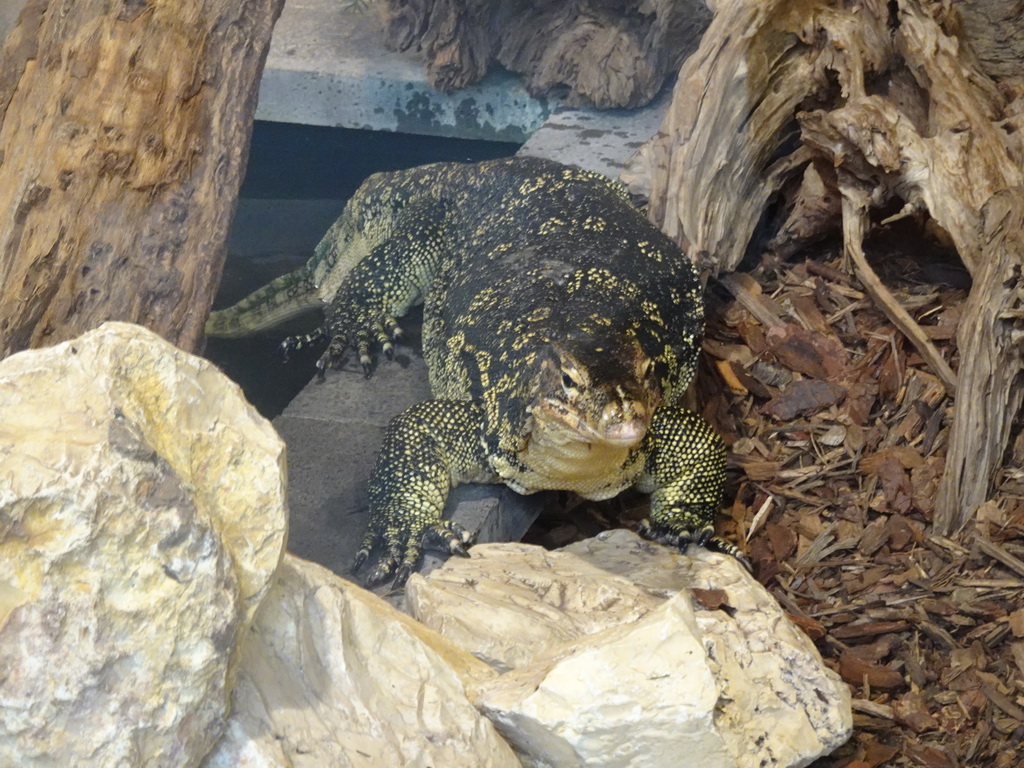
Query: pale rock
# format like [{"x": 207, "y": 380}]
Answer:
[
  {"x": 635, "y": 695},
  {"x": 739, "y": 686},
  {"x": 142, "y": 515},
  {"x": 509, "y": 601},
  {"x": 332, "y": 675}
]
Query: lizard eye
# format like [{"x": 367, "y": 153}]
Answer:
[{"x": 567, "y": 382}]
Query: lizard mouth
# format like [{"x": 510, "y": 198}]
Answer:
[{"x": 621, "y": 424}]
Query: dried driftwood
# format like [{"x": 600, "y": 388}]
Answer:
[
  {"x": 610, "y": 53},
  {"x": 123, "y": 136},
  {"x": 995, "y": 29},
  {"x": 838, "y": 112}
]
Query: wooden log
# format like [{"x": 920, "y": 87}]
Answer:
[
  {"x": 995, "y": 31},
  {"x": 715, "y": 163},
  {"x": 959, "y": 167},
  {"x": 902, "y": 109},
  {"x": 609, "y": 53},
  {"x": 991, "y": 357},
  {"x": 124, "y": 131}
]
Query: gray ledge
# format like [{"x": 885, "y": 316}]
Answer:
[{"x": 328, "y": 66}]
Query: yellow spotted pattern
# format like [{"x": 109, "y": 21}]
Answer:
[{"x": 552, "y": 309}]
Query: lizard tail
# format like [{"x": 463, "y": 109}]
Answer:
[{"x": 277, "y": 301}]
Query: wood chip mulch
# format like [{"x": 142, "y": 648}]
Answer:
[{"x": 837, "y": 433}]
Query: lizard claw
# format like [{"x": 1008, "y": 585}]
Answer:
[
  {"x": 286, "y": 347},
  {"x": 294, "y": 343},
  {"x": 402, "y": 575},
  {"x": 361, "y": 557},
  {"x": 714, "y": 543},
  {"x": 321, "y": 368}
]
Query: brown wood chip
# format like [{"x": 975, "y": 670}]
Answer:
[
  {"x": 856, "y": 671},
  {"x": 712, "y": 599},
  {"x": 911, "y": 710},
  {"x": 869, "y": 629},
  {"x": 803, "y": 398},
  {"x": 807, "y": 352}
]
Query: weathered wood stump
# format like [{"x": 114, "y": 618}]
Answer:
[
  {"x": 833, "y": 111},
  {"x": 610, "y": 53},
  {"x": 124, "y": 130}
]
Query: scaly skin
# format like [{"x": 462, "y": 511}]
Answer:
[{"x": 560, "y": 327}]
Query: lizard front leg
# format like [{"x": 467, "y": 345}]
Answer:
[
  {"x": 685, "y": 475},
  {"x": 428, "y": 449}
]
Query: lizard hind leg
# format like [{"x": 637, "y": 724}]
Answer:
[{"x": 384, "y": 285}]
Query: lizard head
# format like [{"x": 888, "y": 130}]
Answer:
[{"x": 597, "y": 394}]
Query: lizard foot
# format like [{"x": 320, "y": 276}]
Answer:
[
  {"x": 679, "y": 539},
  {"x": 370, "y": 334},
  {"x": 403, "y": 548}
]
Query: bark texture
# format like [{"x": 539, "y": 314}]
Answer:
[
  {"x": 609, "y": 53},
  {"x": 831, "y": 111},
  {"x": 124, "y": 129}
]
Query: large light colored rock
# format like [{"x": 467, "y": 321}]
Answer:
[
  {"x": 635, "y": 696},
  {"x": 738, "y": 685},
  {"x": 142, "y": 515},
  {"x": 331, "y": 675},
  {"x": 508, "y": 602}
]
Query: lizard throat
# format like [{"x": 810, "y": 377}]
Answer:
[{"x": 564, "y": 452}]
